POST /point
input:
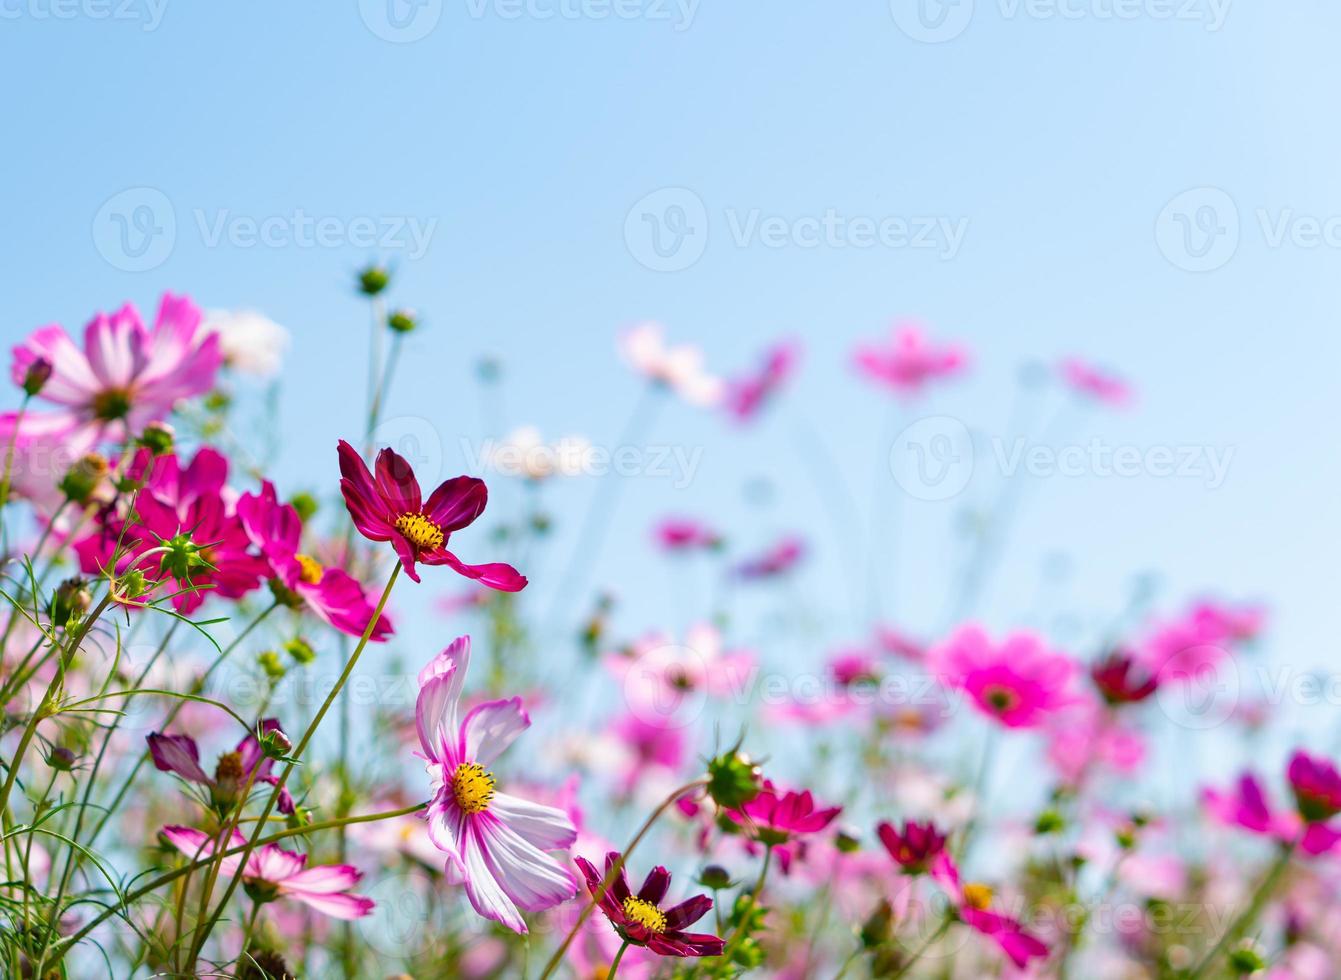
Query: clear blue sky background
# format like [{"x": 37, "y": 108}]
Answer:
[{"x": 528, "y": 140}]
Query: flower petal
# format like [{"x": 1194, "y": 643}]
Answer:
[
  {"x": 545, "y": 827},
  {"x": 177, "y": 754},
  {"x": 490, "y": 728},
  {"x": 436, "y": 709}
]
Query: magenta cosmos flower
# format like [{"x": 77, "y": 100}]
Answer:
[
  {"x": 272, "y": 872},
  {"x": 780, "y": 559},
  {"x": 1019, "y": 683},
  {"x": 126, "y": 375},
  {"x": 746, "y": 397},
  {"x": 778, "y": 816},
  {"x": 390, "y": 508},
  {"x": 908, "y": 362},
  {"x": 973, "y": 906},
  {"x": 914, "y": 848},
  {"x": 246, "y": 764},
  {"x": 300, "y": 580},
  {"x": 496, "y": 844},
  {"x": 680, "y": 534},
  {"x": 1095, "y": 383},
  {"x": 1316, "y": 786},
  {"x": 640, "y": 919}
]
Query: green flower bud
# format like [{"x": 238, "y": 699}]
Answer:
[
  {"x": 270, "y": 663},
  {"x": 82, "y": 479},
  {"x": 69, "y": 602},
  {"x": 300, "y": 650},
  {"x": 62, "y": 759},
  {"x": 1049, "y": 822},
  {"x": 305, "y": 504},
  {"x": 182, "y": 557},
  {"x": 876, "y": 930},
  {"x": 36, "y": 377},
  {"x": 373, "y": 279},
  {"x": 733, "y": 779},
  {"x": 158, "y": 437},
  {"x": 715, "y": 877},
  {"x": 1247, "y": 958},
  {"x": 403, "y": 321}
]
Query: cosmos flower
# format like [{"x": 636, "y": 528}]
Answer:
[
  {"x": 272, "y": 872},
  {"x": 747, "y": 396},
  {"x": 683, "y": 534},
  {"x": 641, "y": 920},
  {"x": 1198, "y": 640},
  {"x": 300, "y": 580},
  {"x": 776, "y": 561},
  {"x": 1120, "y": 678},
  {"x": 1019, "y": 683},
  {"x": 1093, "y": 382},
  {"x": 179, "y": 754},
  {"x": 777, "y": 816},
  {"x": 973, "y": 906},
  {"x": 1317, "y": 791},
  {"x": 126, "y": 375},
  {"x": 495, "y": 843},
  {"x": 915, "y": 847},
  {"x": 524, "y": 453},
  {"x": 250, "y": 342},
  {"x": 390, "y": 508},
  {"x": 659, "y": 675},
  {"x": 908, "y": 362},
  {"x": 679, "y": 369}
]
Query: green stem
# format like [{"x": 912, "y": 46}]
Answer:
[
  {"x": 931, "y": 941},
  {"x": 1259, "y": 899},
  {"x": 295, "y": 757},
  {"x": 614, "y": 964},
  {"x": 741, "y": 928},
  {"x": 614, "y": 871}
]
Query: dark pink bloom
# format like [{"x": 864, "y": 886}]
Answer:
[
  {"x": 1089, "y": 736},
  {"x": 1121, "y": 679},
  {"x": 915, "y": 847},
  {"x": 1200, "y": 639},
  {"x": 777, "y": 817},
  {"x": 900, "y": 644},
  {"x": 1093, "y": 382},
  {"x": 1019, "y": 682},
  {"x": 778, "y": 560},
  {"x": 972, "y": 903},
  {"x": 747, "y": 396},
  {"x": 675, "y": 534},
  {"x": 125, "y": 376},
  {"x": 639, "y": 918},
  {"x": 332, "y": 594},
  {"x": 852, "y": 667},
  {"x": 496, "y": 844},
  {"x": 908, "y": 361},
  {"x": 1246, "y": 805},
  {"x": 272, "y": 872},
  {"x": 391, "y": 508},
  {"x": 178, "y": 754},
  {"x": 1316, "y": 786}
]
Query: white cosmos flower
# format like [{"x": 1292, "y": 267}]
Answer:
[{"x": 251, "y": 342}]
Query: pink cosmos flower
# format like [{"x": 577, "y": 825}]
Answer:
[
  {"x": 391, "y": 508},
  {"x": 272, "y": 872},
  {"x": 973, "y": 901},
  {"x": 896, "y": 643},
  {"x": 332, "y": 594},
  {"x": 1317, "y": 790},
  {"x": 1088, "y": 736},
  {"x": 681, "y": 534},
  {"x": 778, "y": 560},
  {"x": 778, "y": 816},
  {"x": 654, "y": 747},
  {"x": 659, "y": 674},
  {"x": 125, "y": 376},
  {"x": 495, "y": 844},
  {"x": 908, "y": 362},
  {"x": 246, "y": 764},
  {"x": 747, "y": 396},
  {"x": 1093, "y": 382},
  {"x": 1019, "y": 683},
  {"x": 677, "y": 368},
  {"x": 915, "y": 848},
  {"x": 190, "y": 512},
  {"x": 854, "y": 666},
  {"x": 1200, "y": 639}
]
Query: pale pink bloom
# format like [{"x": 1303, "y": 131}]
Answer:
[
  {"x": 780, "y": 559},
  {"x": 677, "y": 368},
  {"x": 747, "y": 396},
  {"x": 659, "y": 675},
  {"x": 496, "y": 844},
  {"x": 899, "y": 644},
  {"x": 323, "y": 887},
  {"x": 1087, "y": 737},
  {"x": 654, "y": 749},
  {"x": 1160, "y": 876},
  {"x": 1200, "y": 639},
  {"x": 251, "y": 342},
  {"x": 1018, "y": 682},
  {"x": 852, "y": 666},
  {"x": 125, "y": 376},
  {"x": 908, "y": 361},
  {"x": 524, "y": 453},
  {"x": 1093, "y": 382}
]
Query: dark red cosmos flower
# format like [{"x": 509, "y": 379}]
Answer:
[
  {"x": 640, "y": 918},
  {"x": 1121, "y": 680},
  {"x": 391, "y": 508},
  {"x": 246, "y": 764},
  {"x": 1316, "y": 786},
  {"x": 914, "y": 849}
]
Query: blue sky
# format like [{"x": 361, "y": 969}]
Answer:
[{"x": 1092, "y": 154}]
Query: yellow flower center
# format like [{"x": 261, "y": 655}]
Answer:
[
  {"x": 473, "y": 787},
  {"x": 420, "y": 531},
  {"x": 309, "y": 570},
  {"x": 977, "y": 895},
  {"x": 644, "y": 914}
]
